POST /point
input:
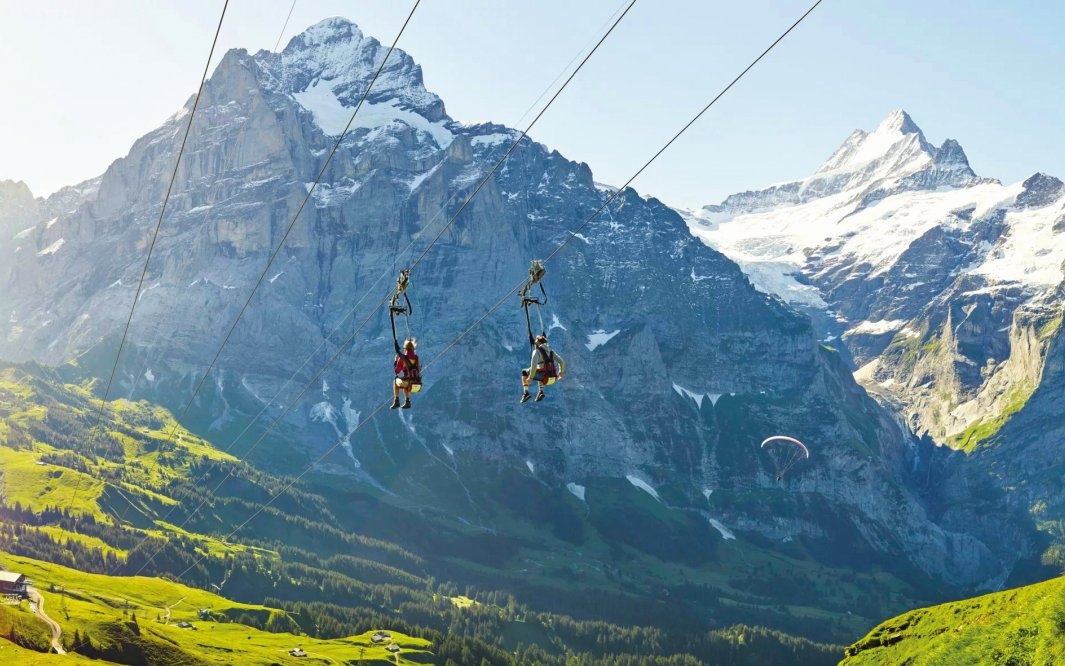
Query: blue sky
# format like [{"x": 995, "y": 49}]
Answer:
[{"x": 83, "y": 80}]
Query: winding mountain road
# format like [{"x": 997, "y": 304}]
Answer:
[{"x": 57, "y": 631}]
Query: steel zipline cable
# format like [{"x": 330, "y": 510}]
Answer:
[
  {"x": 310, "y": 192},
  {"x": 484, "y": 181},
  {"x": 282, "y": 33},
  {"x": 288, "y": 230},
  {"x": 155, "y": 237},
  {"x": 514, "y": 289},
  {"x": 343, "y": 346},
  {"x": 148, "y": 258},
  {"x": 390, "y": 270}
]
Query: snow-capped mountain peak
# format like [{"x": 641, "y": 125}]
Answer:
[
  {"x": 335, "y": 29},
  {"x": 877, "y": 194},
  {"x": 867, "y": 167},
  {"x": 898, "y": 121},
  {"x": 897, "y": 143},
  {"x": 328, "y": 68}
]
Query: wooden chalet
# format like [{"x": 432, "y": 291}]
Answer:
[{"x": 13, "y": 583}]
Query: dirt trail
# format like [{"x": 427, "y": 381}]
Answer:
[
  {"x": 57, "y": 631},
  {"x": 166, "y": 617}
]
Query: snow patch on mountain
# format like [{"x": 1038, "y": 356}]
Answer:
[
  {"x": 420, "y": 178},
  {"x": 332, "y": 116},
  {"x": 599, "y": 338},
  {"x": 492, "y": 139},
  {"x": 1031, "y": 252},
  {"x": 53, "y": 248},
  {"x": 643, "y": 485},
  {"x": 725, "y": 532},
  {"x": 576, "y": 489},
  {"x": 878, "y": 327},
  {"x": 774, "y": 247},
  {"x": 697, "y": 397},
  {"x": 324, "y": 412},
  {"x": 247, "y": 387}
]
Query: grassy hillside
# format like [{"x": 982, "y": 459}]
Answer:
[
  {"x": 136, "y": 499},
  {"x": 130, "y": 619},
  {"x": 1017, "y": 627}
]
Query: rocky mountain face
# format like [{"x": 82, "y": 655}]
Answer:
[
  {"x": 944, "y": 288},
  {"x": 678, "y": 366}
]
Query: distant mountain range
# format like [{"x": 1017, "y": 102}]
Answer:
[
  {"x": 946, "y": 290},
  {"x": 902, "y": 248}
]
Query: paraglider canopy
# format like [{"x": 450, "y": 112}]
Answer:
[{"x": 784, "y": 451}]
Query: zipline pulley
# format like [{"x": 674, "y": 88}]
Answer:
[{"x": 536, "y": 273}]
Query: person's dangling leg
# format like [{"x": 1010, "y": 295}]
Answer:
[{"x": 525, "y": 385}]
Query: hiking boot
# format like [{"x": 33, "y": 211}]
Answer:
[
  {"x": 525, "y": 396},
  {"x": 406, "y": 405},
  {"x": 539, "y": 396},
  {"x": 395, "y": 404}
]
